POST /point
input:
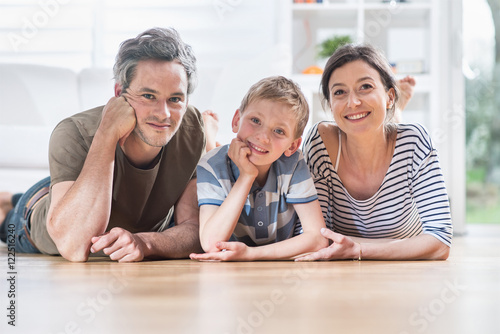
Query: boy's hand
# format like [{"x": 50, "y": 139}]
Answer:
[
  {"x": 118, "y": 119},
  {"x": 229, "y": 251},
  {"x": 239, "y": 153}
]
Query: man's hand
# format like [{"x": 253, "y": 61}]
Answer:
[
  {"x": 120, "y": 245},
  {"x": 228, "y": 251},
  {"x": 239, "y": 152},
  {"x": 118, "y": 118}
]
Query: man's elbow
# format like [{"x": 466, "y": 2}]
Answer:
[
  {"x": 74, "y": 256},
  {"x": 68, "y": 249}
]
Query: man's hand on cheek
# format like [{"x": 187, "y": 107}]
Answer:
[{"x": 118, "y": 118}]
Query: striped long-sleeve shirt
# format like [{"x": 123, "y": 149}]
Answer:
[{"x": 411, "y": 200}]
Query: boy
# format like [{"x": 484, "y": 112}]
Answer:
[{"x": 254, "y": 190}]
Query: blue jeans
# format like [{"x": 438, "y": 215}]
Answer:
[{"x": 16, "y": 227}]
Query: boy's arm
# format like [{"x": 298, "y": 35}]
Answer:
[
  {"x": 310, "y": 240},
  {"x": 217, "y": 223}
]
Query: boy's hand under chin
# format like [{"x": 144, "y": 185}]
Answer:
[{"x": 239, "y": 153}]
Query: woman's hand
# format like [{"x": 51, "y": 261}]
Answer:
[
  {"x": 341, "y": 248},
  {"x": 228, "y": 251}
]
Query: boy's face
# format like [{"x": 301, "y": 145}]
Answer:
[{"x": 268, "y": 129}]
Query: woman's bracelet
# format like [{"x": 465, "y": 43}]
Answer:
[{"x": 360, "y": 252}]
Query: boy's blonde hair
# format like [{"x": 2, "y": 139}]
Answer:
[{"x": 282, "y": 90}]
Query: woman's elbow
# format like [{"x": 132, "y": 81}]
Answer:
[{"x": 442, "y": 252}]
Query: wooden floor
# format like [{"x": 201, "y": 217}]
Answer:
[{"x": 460, "y": 295}]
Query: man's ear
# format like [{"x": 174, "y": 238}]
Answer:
[
  {"x": 294, "y": 146},
  {"x": 118, "y": 90},
  {"x": 236, "y": 121}
]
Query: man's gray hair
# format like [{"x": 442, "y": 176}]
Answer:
[{"x": 156, "y": 44}]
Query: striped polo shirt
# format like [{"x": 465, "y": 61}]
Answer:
[
  {"x": 411, "y": 200},
  {"x": 268, "y": 215}
]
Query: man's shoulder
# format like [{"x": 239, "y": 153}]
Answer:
[
  {"x": 85, "y": 122},
  {"x": 192, "y": 118}
]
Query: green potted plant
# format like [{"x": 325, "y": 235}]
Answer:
[{"x": 329, "y": 45}]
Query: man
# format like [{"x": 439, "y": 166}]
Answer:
[{"x": 119, "y": 173}]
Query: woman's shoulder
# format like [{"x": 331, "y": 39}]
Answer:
[
  {"x": 319, "y": 132},
  {"x": 415, "y": 133}
]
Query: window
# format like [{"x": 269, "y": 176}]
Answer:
[{"x": 482, "y": 129}]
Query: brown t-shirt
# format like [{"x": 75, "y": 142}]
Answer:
[{"x": 143, "y": 200}]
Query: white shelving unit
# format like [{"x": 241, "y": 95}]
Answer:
[{"x": 420, "y": 38}]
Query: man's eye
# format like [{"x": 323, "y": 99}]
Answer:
[
  {"x": 148, "y": 96},
  {"x": 175, "y": 99}
]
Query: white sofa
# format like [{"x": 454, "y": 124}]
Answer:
[{"x": 34, "y": 98}]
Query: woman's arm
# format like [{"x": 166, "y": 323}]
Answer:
[{"x": 421, "y": 247}]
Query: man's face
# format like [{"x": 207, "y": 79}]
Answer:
[{"x": 158, "y": 94}]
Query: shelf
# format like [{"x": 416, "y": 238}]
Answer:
[{"x": 306, "y": 7}]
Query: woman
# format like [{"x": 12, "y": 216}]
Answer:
[{"x": 379, "y": 183}]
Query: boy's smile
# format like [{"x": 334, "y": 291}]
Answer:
[{"x": 268, "y": 129}]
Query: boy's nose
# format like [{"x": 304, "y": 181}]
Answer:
[{"x": 263, "y": 136}]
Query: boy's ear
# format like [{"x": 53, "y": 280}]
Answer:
[
  {"x": 294, "y": 146},
  {"x": 236, "y": 121},
  {"x": 118, "y": 90}
]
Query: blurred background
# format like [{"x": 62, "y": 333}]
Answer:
[{"x": 56, "y": 58}]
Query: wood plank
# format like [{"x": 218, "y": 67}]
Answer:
[{"x": 460, "y": 295}]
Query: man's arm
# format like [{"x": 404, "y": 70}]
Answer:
[
  {"x": 183, "y": 238},
  {"x": 176, "y": 242},
  {"x": 80, "y": 210}
]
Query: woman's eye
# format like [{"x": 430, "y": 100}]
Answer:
[
  {"x": 338, "y": 92},
  {"x": 366, "y": 86}
]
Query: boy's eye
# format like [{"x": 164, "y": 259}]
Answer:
[
  {"x": 254, "y": 120},
  {"x": 279, "y": 131}
]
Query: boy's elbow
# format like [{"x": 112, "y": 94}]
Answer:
[
  {"x": 208, "y": 245},
  {"x": 321, "y": 243}
]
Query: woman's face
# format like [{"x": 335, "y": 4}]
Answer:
[{"x": 358, "y": 99}]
